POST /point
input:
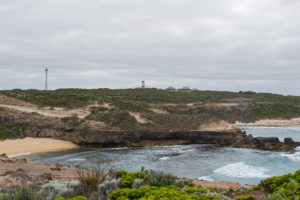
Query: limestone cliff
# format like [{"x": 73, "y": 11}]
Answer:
[{"x": 86, "y": 133}]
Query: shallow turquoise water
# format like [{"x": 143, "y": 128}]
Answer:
[
  {"x": 192, "y": 161},
  {"x": 280, "y": 132}
]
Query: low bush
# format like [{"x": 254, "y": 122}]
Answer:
[
  {"x": 151, "y": 192},
  {"x": 115, "y": 117},
  {"x": 105, "y": 188},
  {"x": 195, "y": 190},
  {"x": 97, "y": 109},
  {"x": 9, "y": 130},
  {"x": 72, "y": 120},
  {"x": 275, "y": 183},
  {"x": 90, "y": 179},
  {"x": 20, "y": 193},
  {"x": 283, "y": 187},
  {"x": 74, "y": 198},
  {"x": 128, "y": 177},
  {"x": 55, "y": 189},
  {"x": 246, "y": 197},
  {"x": 160, "y": 179}
]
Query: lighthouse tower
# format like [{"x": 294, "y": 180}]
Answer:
[{"x": 143, "y": 85}]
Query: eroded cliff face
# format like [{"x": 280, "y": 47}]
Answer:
[{"x": 86, "y": 133}]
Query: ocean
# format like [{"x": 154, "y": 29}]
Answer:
[{"x": 208, "y": 162}]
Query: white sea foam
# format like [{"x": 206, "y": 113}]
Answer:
[
  {"x": 293, "y": 157},
  {"x": 242, "y": 170},
  {"x": 176, "y": 149},
  {"x": 115, "y": 148},
  {"x": 206, "y": 178},
  {"x": 19, "y": 154},
  {"x": 164, "y": 158},
  {"x": 77, "y": 159}
]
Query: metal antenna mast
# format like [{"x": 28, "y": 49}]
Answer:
[{"x": 46, "y": 83}]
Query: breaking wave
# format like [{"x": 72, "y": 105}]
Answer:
[{"x": 242, "y": 170}]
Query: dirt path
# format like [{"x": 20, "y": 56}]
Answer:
[
  {"x": 55, "y": 112},
  {"x": 23, "y": 106}
]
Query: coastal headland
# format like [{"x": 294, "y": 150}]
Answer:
[{"x": 121, "y": 121}]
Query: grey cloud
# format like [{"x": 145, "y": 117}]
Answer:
[{"x": 225, "y": 45}]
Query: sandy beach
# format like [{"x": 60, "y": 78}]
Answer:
[
  {"x": 272, "y": 122},
  {"x": 33, "y": 145}
]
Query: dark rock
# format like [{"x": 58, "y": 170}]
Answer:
[
  {"x": 20, "y": 170},
  {"x": 46, "y": 176},
  {"x": 3, "y": 155},
  {"x": 55, "y": 168},
  {"x": 288, "y": 141}
]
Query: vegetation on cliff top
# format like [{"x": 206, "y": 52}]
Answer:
[
  {"x": 137, "y": 99},
  {"x": 164, "y": 110}
]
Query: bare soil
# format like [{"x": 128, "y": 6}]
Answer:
[{"x": 13, "y": 171}]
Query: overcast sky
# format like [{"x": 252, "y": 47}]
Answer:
[{"x": 207, "y": 44}]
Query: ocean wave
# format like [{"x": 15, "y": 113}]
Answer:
[
  {"x": 242, "y": 170},
  {"x": 176, "y": 149},
  {"x": 293, "y": 157}
]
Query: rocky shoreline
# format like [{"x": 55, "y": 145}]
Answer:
[{"x": 233, "y": 138}]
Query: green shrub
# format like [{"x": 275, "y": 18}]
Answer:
[
  {"x": 213, "y": 189},
  {"x": 246, "y": 197},
  {"x": 9, "y": 130},
  {"x": 286, "y": 186},
  {"x": 56, "y": 189},
  {"x": 159, "y": 178},
  {"x": 257, "y": 187},
  {"x": 114, "y": 117},
  {"x": 274, "y": 183},
  {"x": 95, "y": 110},
  {"x": 278, "y": 195},
  {"x": 105, "y": 188},
  {"x": 128, "y": 177},
  {"x": 195, "y": 190},
  {"x": 73, "y": 120},
  {"x": 26, "y": 194},
  {"x": 75, "y": 198},
  {"x": 90, "y": 179},
  {"x": 152, "y": 192},
  {"x": 20, "y": 193}
]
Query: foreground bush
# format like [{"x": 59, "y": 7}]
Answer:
[
  {"x": 128, "y": 177},
  {"x": 247, "y": 197},
  {"x": 151, "y": 192},
  {"x": 75, "y": 198},
  {"x": 283, "y": 187},
  {"x": 56, "y": 189},
  {"x": 160, "y": 179}
]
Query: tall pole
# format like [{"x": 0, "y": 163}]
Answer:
[{"x": 46, "y": 83}]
